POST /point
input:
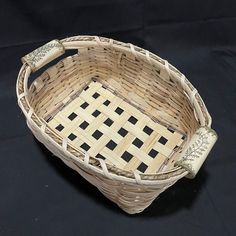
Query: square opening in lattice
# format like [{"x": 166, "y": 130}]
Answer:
[
  {"x": 60, "y": 127},
  {"x": 72, "y": 116},
  {"x": 123, "y": 132}
]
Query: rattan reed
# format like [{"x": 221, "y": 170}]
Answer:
[{"x": 123, "y": 118}]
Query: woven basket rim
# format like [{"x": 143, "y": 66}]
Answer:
[{"x": 74, "y": 153}]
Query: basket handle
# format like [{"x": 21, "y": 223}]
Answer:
[
  {"x": 197, "y": 150},
  {"x": 44, "y": 54},
  {"x": 31, "y": 63}
]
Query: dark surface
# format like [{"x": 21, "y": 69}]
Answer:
[{"x": 41, "y": 196}]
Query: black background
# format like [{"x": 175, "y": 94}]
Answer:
[{"x": 39, "y": 195}]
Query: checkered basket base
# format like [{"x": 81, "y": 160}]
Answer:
[{"x": 107, "y": 126}]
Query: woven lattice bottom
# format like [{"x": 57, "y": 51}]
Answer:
[{"x": 107, "y": 126}]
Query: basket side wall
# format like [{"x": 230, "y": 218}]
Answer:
[
  {"x": 132, "y": 198},
  {"x": 147, "y": 86}
]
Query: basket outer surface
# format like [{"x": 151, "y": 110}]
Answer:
[{"x": 130, "y": 190}]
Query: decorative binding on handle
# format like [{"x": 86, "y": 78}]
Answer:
[
  {"x": 43, "y": 55},
  {"x": 196, "y": 151}
]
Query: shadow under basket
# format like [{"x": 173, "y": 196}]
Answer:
[{"x": 123, "y": 118}]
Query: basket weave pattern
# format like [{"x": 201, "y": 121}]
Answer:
[{"x": 117, "y": 114}]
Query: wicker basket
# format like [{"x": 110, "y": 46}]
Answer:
[{"x": 123, "y": 118}]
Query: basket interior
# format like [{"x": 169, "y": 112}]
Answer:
[
  {"x": 129, "y": 112},
  {"x": 108, "y": 126}
]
